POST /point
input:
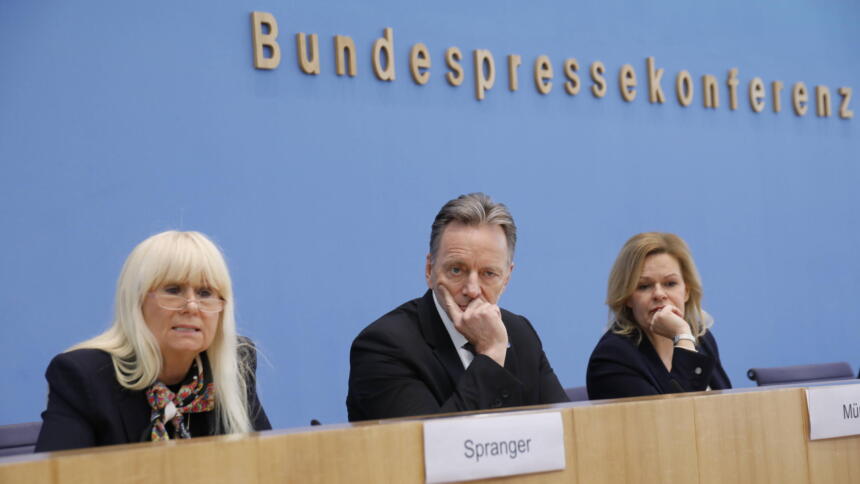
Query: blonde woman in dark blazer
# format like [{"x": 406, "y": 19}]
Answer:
[
  {"x": 658, "y": 339},
  {"x": 170, "y": 366}
]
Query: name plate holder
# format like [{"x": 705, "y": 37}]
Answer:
[
  {"x": 834, "y": 411},
  {"x": 494, "y": 445}
]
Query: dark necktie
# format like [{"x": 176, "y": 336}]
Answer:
[{"x": 469, "y": 347}]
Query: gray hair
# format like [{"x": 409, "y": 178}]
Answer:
[{"x": 474, "y": 209}]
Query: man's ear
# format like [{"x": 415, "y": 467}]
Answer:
[{"x": 428, "y": 269}]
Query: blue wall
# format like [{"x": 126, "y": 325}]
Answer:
[{"x": 118, "y": 121}]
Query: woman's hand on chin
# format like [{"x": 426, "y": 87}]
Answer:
[{"x": 669, "y": 322}]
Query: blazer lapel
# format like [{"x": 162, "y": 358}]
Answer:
[{"x": 438, "y": 338}]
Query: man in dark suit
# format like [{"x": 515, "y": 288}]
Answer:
[{"x": 454, "y": 349}]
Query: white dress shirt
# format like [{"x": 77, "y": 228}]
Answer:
[{"x": 457, "y": 338}]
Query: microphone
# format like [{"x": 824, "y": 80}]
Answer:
[{"x": 676, "y": 386}]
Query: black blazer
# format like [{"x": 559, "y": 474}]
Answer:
[
  {"x": 405, "y": 364},
  {"x": 619, "y": 368},
  {"x": 87, "y": 406}
]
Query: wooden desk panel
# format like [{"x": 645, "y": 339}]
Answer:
[
  {"x": 228, "y": 459},
  {"x": 27, "y": 469},
  {"x": 225, "y": 459},
  {"x": 736, "y": 437},
  {"x": 389, "y": 453},
  {"x": 651, "y": 441},
  {"x": 835, "y": 461},
  {"x": 135, "y": 463},
  {"x": 752, "y": 438}
]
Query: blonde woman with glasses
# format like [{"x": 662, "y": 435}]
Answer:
[{"x": 170, "y": 366}]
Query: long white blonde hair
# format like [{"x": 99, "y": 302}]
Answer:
[{"x": 176, "y": 257}]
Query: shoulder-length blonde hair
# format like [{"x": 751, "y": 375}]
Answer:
[
  {"x": 175, "y": 257},
  {"x": 627, "y": 269}
]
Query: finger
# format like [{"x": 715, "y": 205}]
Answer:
[
  {"x": 668, "y": 311},
  {"x": 476, "y": 303},
  {"x": 671, "y": 311},
  {"x": 654, "y": 318},
  {"x": 473, "y": 307},
  {"x": 450, "y": 304}
]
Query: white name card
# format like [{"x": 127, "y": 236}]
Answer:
[
  {"x": 834, "y": 411},
  {"x": 481, "y": 446}
]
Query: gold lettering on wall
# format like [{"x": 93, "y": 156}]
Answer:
[
  {"x": 308, "y": 64},
  {"x": 776, "y": 90},
  {"x": 684, "y": 88},
  {"x": 822, "y": 101},
  {"x": 710, "y": 91},
  {"x": 514, "y": 62},
  {"x": 452, "y": 60},
  {"x": 543, "y": 74},
  {"x": 263, "y": 41},
  {"x": 799, "y": 97},
  {"x": 655, "y": 89},
  {"x": 627, "y": 82},
  {"x": 756, "y": 92},
  {"x": 573, "y": 84},
  {"x": 844, "y": 112},
  {"x": 344, "y": 46},
  {"x": 599, "y": 86},
  {"x": 386, "y": 44},
  {"x": 267, "y": 56},
  {"x": 419, "y": 63},
  {"x": 485, "y": 72},
  {"x": 732, "y": 82}
]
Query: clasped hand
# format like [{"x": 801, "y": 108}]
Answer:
[
  {"x": 480, "y": 322},
  {"x": 669, "y": 322}
]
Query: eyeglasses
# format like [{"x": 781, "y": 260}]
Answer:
[{"x": 175, "y": 302}]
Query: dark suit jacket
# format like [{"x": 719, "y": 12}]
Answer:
[
  {"x": 405, "y": 364},
  {"x": 87, "y": 406},
  {"x": 619, "y": 368}
]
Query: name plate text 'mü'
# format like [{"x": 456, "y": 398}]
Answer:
[
  {"x": 482, "y": 446},
  {"x": 834, "y": 411}
]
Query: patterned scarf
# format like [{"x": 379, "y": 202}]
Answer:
[{"x": 197, "y": 394}]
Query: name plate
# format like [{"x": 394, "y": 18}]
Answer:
[
  {"x": 833, "y": 411},
  {"x": 481, "y": 446}
]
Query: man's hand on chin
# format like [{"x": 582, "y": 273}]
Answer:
[{"x": 480, "y": 322}]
